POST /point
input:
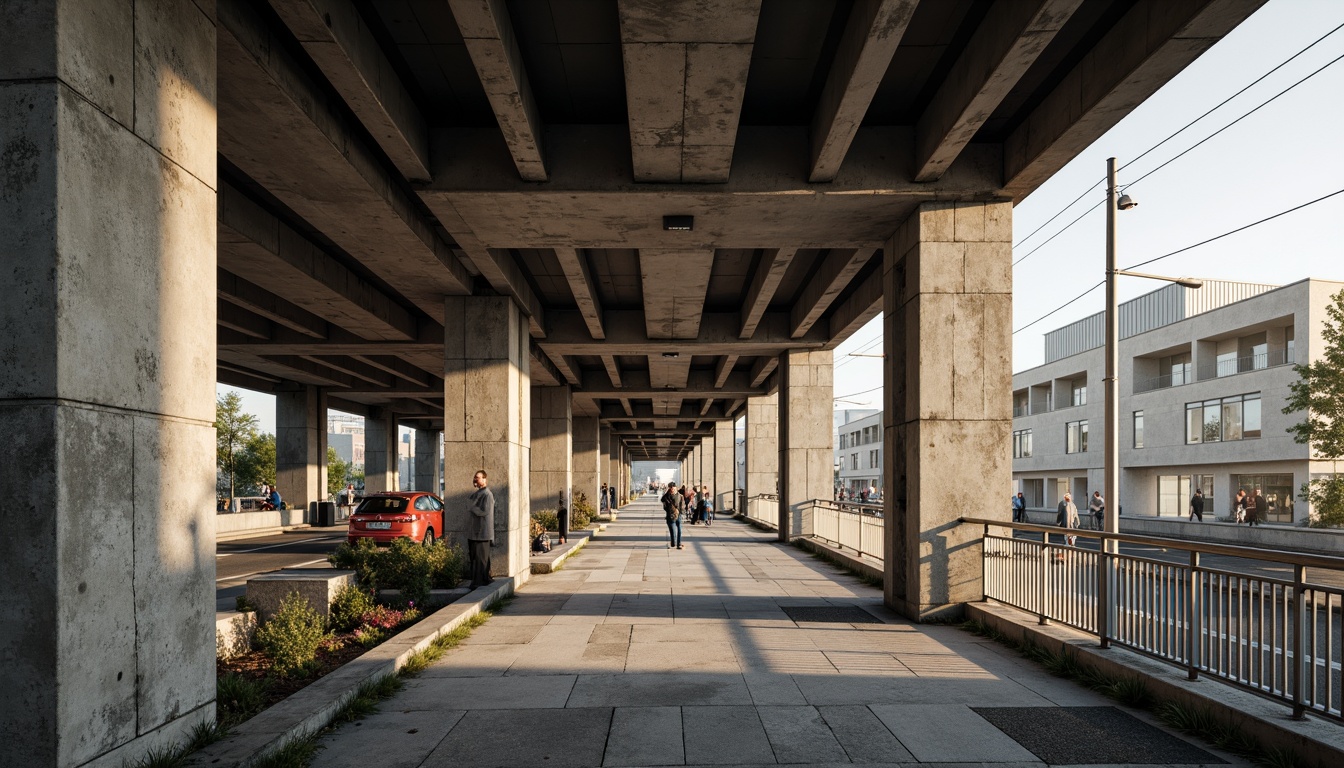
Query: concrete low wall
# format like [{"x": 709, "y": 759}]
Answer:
[
  {"x": 1281, "y": 537},
  {"x": 233, "y": 524}
]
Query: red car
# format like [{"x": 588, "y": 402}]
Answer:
[{"x": 385, "y": 517}]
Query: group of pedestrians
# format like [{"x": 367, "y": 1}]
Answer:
[{"x": 693, "y": 502}]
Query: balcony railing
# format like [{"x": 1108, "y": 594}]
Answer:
[
  {"x": 763, "y": 508},
  {"x": 1279, "y": 637},
  {"x": 856, "y": 527},
  {"x": 1020, "y": 410},
  {"x": 1234, "y": 366},
  {"x": 1164, "y": 381}
]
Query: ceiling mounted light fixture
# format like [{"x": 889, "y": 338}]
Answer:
[
  {"x": 671, "y": 354},
  {"x": 678, "y": 223}
]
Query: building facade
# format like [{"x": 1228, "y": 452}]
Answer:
[
  {"x": 858, "y": 449},
  {"x": 1204, "y": 377}
]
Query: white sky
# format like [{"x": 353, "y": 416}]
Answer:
[{"x": 1287, "y": 153}]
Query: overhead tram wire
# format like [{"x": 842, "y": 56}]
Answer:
[
  {"x": 856, "y": 394},
  {"x": 1183, "y": 250},
  {"x": 1176, "y": 133}
]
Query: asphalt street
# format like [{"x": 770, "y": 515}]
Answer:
[{"x": 236, "y": 560}]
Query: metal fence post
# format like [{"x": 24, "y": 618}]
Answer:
[
  {"x": 1299, "y": 681},
  {"x": 1193, "y": 615},
  {"x": 1103, "y": 607},
  {"x": 1042, "y": 602}
]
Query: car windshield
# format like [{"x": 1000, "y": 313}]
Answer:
[{"x": 379, "y": 504}]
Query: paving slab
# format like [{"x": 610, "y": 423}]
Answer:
[
  {"x": 863, "y": 736},
  {"x": 949, "y": 733},
  {"x": 403, "y": 740},
  {"x": 645, "y": 736},
  {"x": 549, "y": 737},
  {"x": 727, "y": 735},
  {"x": 800, "y": 735}
]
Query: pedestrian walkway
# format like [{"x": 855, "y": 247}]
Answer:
[{"x": 734, "y": 650}]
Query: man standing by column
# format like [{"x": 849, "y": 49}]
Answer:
[{"x": 482, "y": 531}]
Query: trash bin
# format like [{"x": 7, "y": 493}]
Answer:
[{"x": 326, "y": 513}]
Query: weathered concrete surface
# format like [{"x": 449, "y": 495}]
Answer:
[
  {"x": 428, "y": 465},
  {"x": 381, "y": 466},
  {"x": 587, "y": 458},
  {"x": 948, "y": 333},
  {"x": 317, "y": 586},
  {"x": 806, "y": 453},
  {"x": 107, "y": 209},
  {"x": 487, "y": 404},
  {"x": 233, "y": 632},
  {"x": 552, "y": 466},
  {"x": 301, "y": 446},
  {"x": 725, "y": 466},
  {"x": 763, "y": 445}
]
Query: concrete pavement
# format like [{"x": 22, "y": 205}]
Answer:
[{"x": 734, "y": 650}]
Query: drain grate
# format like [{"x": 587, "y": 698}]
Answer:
[
  {"x": 829, "y": 614},
  {"x": 1092, "y": 736}
]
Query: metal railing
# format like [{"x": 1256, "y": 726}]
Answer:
[
  {"x": 856, "y": 527},
  {"x": 1164, "y": 381},
  {"x": 1221, "y": 368},
  {"x": 1279, "y": 637},
  {"x": 763, "y": 508}
]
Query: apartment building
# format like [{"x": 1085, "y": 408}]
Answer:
[
  {"x": 858, "y": 448},
  {"x": 1204, "y": 376}
]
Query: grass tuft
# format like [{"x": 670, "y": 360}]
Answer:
[
  {"x": 202, "y": 734},
  {"x": 367, "y": 697},
  {"x": 297, "y": 753},
  {"x": 420, "y": 660},
  {"x": 239, "y": 698}
]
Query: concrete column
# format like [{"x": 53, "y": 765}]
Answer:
[
  {"x": 487, "y": 420},
  {"x": 762, "y": 445},
  {"x": 724, "y": 460},
  {"x": 613, "y": 465},
  {"x": 380, "y": 452},
  {"x": 707, "y": 466},
  {"x": 806, "y": 455},
  {"x": 107, "y": 385},
  {"x": 301, "y": 446},
  {"x": 587, "y": 457},
  {"x": 428, "y": 467},
  {"x": 948, "y": 317},
  {"x": 552, "y": 465}
]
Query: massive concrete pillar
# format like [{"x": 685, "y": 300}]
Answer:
[
  {"x": 613, "y": 465},
  {"x": 948, "y": 319},
  {"x": 587, "y": 458},
  {"x": 107, "y": 385},
  {"x": 381, "y": 444},
  {"x": 724, "y": 459},
  {"x": 762, "y": 445},
  {"x": 487, "y": 402},
  {"x": 301, "y": 446},
  {"x": 604, "y": 459},
  {"x": 428, "y": 467},
  {"x": 806, "y": 456},
  {"x": 552, "y": 463},
  {"x": 707, "y": 466}
]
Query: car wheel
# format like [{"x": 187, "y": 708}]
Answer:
[{"x": 429, "y": 537}]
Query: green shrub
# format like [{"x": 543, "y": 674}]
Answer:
[
  {"x": 292, "y": 635},
  {"x": 408, "y": 567},
  {"x": 239, "y": 697},
  {"x": 547, "y": 517},
  {"x": 349, "y": 605},
  {"x": 583, "y": 511},
  {"x": 361, "y": 558},
  {"x": 451, "y": 564}
]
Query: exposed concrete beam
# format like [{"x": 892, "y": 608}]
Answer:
[
  {"x": 282, "y": 129},
  {"x": 642, "y": 384},
  {"x": 854, "y": 312},
  {"x": 354, "y": 369},
  {"x": 404, "y": 371},
  {"x": 488, "y": 33},
  {"x": 1008, "y": 41},
  {"x": 874, "y": 29},
  {"x": 567, "y": 368},
  {"x": 668, "y": 373},
  {"x": 613, "y": 369},
  {"x": 773, "y": 265},
  {"x": 685, "y": 64},
  {"x": 236, "y": 318},
  {"x": 253, "y": 241},
  {"x": 545, "y": 371},
  {"x": 723, "y": 369},
  {"x": 1150, "y": 44},
  {"x": 236, "y": 376},
  {"x": 667, "y": 278},
  {"x": 761, "y": 370},
  {"x": 336, "y": 38},
  {"x": 348, "y": 406},
  {"x": 837, "y": 270},
  {"x": 254, "y": 298},
  {"x": 681, "y": 411},
  {"x": 568, "y": 334},
  {"x": 308, "y": 372},
  {"x": 580, "y": 279},
  {"x": 283, "y": 341}
]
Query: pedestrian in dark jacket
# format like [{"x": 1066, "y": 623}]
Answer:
[
  {"x": 1197, "y": 505},
  {"x": 1255, "y": 509},
  {"x": 674, "y": 504},
  {"x": 1019, "y": 508},
  {"x": 481, "y": 533}
]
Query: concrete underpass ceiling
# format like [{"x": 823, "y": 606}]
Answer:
[{"x": 376, "y": 157}]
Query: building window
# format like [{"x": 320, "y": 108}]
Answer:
[
  {"x": 1078, "y": 391},
  {"x": 1174, "y": 492},
  {"x": 1138, "y": 429},
  {"x": 1177, "y": 367},
  {"x": 872, "y": 459},
  {"x": 1075, "y": 437},
  {"x": 1022, "y": 444},
  {"x": 1231, "y": 418},
  {"x": 1289, "y": 343},
  {"x": 854, "y": 461},
  {"x": 1277, "y": 491}
]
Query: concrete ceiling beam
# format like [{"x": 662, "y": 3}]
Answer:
[
  {"x": 355, "y": 369},
  {"x": 667, "y": 276},
  {"x": 770, "y": 270},
  {"x": 549, "y": 370},
  {"x": 402, "y": 370},
  {"x": 837, "y": 270},
  {"x": 723, "y": 369},
  {"x": 568, "y": 334},
  {"x": 282, "y": 129},
  {"x": 493, "y": 46},
  {"x": 640, "y": 384},
  {"x": 613, "y": 369},
  {"x": 237, "y": 376},
  {"x": 574, "y": 263},
  {"x": 242, "y": 321},
  {"x": 1008, "y": 41},
  {"x": 256, "y": 299},
  {"x": 336, "y": 38},
  {"x": 283, "y": 341},
  {"x": 1148, "y": 46},
  {"x": 761, "y": 370},
  {"x": 871, "y": 35},
  {"x": 856, "y": 310},
  {"x": 643, "y": 411}
]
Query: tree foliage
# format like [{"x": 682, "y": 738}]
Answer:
[
  {"x": 233, "y": 429},
  {"x": 1319, "y": 394},
  {"x": 337, "y": 470},
  {"x": 256, "y": 463}
]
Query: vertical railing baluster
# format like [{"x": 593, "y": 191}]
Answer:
[
  {"x": 1191, "y": 616},
  {"x": 1100, "y": 615},
  {"x": 1299, "y": 644}
]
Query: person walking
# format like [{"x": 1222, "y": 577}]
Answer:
[
  {"x": 1019, "y": 508},
  {"x": 562, "y": 517},
  {"x": 481, "y": 532},
  {"x": 688, "y": 503},
  {"x": 709, "y": 505},
  {"x": 1097, "y": 506},
  {"x": 603, "y": 501},
  {"x": 1197, "y": 505},
  {"x": 1067, "y": 518},
  {"x": 1239, "y": 506},
  {"x": 674, "y": 504},
  {"x": 1255, "y": 509}
]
